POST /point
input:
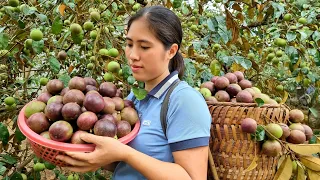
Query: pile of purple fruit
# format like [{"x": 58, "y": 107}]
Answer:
[{"x": 62, "y": 113}]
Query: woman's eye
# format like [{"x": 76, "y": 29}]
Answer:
[
  {"x": 129, "y": 45},
  {"x": 144, "y": 47}
]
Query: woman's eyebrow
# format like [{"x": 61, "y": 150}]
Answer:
[{"x": 140, "y": 40}]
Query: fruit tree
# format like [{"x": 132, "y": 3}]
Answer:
[{"x": 274, "y": 43}]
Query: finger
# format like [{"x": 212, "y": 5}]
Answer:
[
  {"x": 81, "y": 156},
  {"x": 91, "y": 138},
  {"x": 71, "y": 161}
]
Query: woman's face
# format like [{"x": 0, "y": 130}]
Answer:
[{"x": 146, "y": 54}]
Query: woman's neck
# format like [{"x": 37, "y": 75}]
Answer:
[{"x": 149, "y": 85}]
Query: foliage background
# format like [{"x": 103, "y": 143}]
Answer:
[{"x": 219, "y": 36}]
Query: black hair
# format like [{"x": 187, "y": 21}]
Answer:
[{"x": 166, "y": 26}]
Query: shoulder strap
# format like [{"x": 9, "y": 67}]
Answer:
[{"x": 164, "y": 107}]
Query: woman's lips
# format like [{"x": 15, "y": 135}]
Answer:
[{"x": 135, "y": 68}]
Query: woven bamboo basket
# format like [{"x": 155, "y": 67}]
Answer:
[{"x": 231, "y": 150}]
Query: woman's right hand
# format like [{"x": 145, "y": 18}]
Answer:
[{"x": 108, "y": 150}]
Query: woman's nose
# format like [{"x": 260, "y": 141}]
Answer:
[{"x": 134, "y": 54}]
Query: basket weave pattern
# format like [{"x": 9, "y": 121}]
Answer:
[
  {"x": 47, "y": 154},
  {"x": 232, "y": 149}
]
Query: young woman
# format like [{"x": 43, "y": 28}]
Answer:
[{"x": 153, "y": 40}]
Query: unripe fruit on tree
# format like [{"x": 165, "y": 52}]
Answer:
[
  {"x": 13, "y": 3},
  {"x": 36, "y": 35},
  {"x": 90, "y": 66},
  {"x": 38, "y": 167},
  {"x": 251, "y": 56},
  {"x": 193, "y": 27},
  {"x": 66, "y": 22},
  {"x": 108, "y": 77},
  {"x": 287, "y": 17},
  {"x": 279, "y": 53},
  {"x": 9, "y": 101},
  {"x": 95, "y": 16},
  {"x": 113, "y": 52},
  {"x": 93, "y": 34},
  {"x": 103, "y": 52},
  {"x": 270, "y": 57},
  {"x": 88, "y": 26},
  {"x": 75, "y": 28},
  {"x": 113, "y": 66},
  {"x": 24, "y": 177},
  {"x": 136, "y": 7},
  {"x": 302, "y": 20},
  {"x": 279, "y": 88},
  {"x": 28, "y": 43},
  {"x": 43, "y": 81},
  {"x": 280, "y": 42}
]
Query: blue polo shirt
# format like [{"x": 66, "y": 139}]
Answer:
[{"x": 188, "y": 124}]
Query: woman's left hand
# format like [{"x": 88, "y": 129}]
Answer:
[{"x": 107, "y": 150}]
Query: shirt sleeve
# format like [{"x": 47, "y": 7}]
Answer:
[
  {"x": 130, "y": 96},
  {"x": 188, "y": 120}
]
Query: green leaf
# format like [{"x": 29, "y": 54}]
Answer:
[
  {"x": 8, "y": 159},
  {"x": 27, "y": 11},
  {"x": 140, "y": 84},
  {"x": 314, "y": 112},
  {"x": 126, "y": 70},
  {"x": 305, "y": 34},
  {"x": 206, "y": 75},
  {"x": 4, "y": 133},
  {"x": 21, "y": 24},
  {"x": 259, "y": 101},
  {"x": 2, "y": 170},
  {"x": 54, "y": 65},
  {"x": 184, "y": 9},
  {"x": 2, "y": 28},
  {"x": 65, "y": 78},
  {"x": 42, "y": 17},
  {"x": 291, "y": 36},
  {"x": 176, "y": 3},
  {"x": 139, "y": 93},
  {"x": 114, "y": 6},
  {"x": 57, "y": 25},
  {"x": 224, "y": 34},
  {"x": 4, "y": 40},
  {"x": 38, "y": 46},
  {"x": 19, "y": 136},
  {"x": 16, "y": 176},
  {"x": 62, "y": 177},
  {"x": 211, "y": 26},
  {"x": 317, "y": 58},
  {"x": 131, "y": 80},
  {"x": 243, "y": 61},
  {"x": 292, "y": 53},
  {"x": 279, "y": 9},
  {"x": 316, "y": 36},
  {"x": 259, "y": 135}
]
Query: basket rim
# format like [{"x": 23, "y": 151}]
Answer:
[
  {"x": 62, "y": 146},
  {"x": 246, "y": 104}
]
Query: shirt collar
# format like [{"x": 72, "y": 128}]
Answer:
[{"x": 164, "y": 84}]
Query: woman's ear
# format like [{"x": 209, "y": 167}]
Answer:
[{"x": 173, "y": 50}]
